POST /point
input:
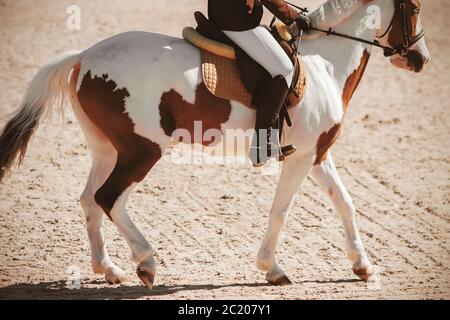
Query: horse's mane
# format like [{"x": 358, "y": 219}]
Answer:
[{"x": 332, "y": 13}]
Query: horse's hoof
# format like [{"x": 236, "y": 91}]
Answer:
[
  {"x": 146, "y": 276},
  {"x": 115, "y": 276},
  {"x": 364, "y": 273},
  {"x": 280, "y": 281}
]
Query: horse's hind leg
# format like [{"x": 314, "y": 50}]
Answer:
[
  {"x": 103, "y": 159},
  {"x": 328, "y": 178},
  {"x": 112, "y": 196},
  {"x": 102, "y": 164},
  {"x": 105, "y": 104}
]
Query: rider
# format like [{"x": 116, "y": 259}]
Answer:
[{"x": 240, "y": 21}]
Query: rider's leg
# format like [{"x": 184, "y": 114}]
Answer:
[
  {"x": 266, "y": 143},
  {"x": 260, "y": 45}
]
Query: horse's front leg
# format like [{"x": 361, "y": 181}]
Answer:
[
  {"x": 328, "y": 178},
  {"x": 294, "y": 172}
]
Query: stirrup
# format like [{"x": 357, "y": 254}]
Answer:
[{"x": 287, "y": 151}]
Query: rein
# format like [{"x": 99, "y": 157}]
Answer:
[
  {"x": 402, "y": 49},
  {"x": 388, "y": 51}
]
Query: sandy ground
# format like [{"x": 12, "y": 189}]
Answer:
[{"x": 393, "y": 156}]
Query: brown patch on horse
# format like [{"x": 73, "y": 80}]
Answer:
[
  {"x": 353, "y": 80},
  {"x": 177, "y": 113},
  {"x": 395, "y": 37},
  {"x": 104, "y": 104},
  {"x": 326, "y": 140}
]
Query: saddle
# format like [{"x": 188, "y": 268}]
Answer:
[{"x": 230, "y": 73}]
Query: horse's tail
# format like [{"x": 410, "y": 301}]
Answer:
[{"x": 49, "y": 86}]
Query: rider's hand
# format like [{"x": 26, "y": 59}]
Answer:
[{"x": 303, "y": 23}]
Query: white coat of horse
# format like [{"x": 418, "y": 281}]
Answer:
[{"x": 131, "y": 92}]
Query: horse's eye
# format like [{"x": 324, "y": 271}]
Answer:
[{"x": 416, "y": 10}]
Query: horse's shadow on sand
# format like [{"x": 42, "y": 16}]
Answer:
[{"x": 58, "y": 290}]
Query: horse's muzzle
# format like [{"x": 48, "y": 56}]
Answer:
[{"x": 416, "y": 60}]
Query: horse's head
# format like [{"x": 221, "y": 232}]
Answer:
[{"x": 403, "y": 32}]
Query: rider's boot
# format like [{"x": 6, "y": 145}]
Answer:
[{"x": 266, "y": 140}]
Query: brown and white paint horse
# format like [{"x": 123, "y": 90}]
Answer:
[{"x": 132, "y": 91}]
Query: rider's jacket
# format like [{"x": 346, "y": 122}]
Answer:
[{"x": 242, "y": 15}]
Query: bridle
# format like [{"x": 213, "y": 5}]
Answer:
[
  {"x": 408, "y": 41},
  {"x": 401, "y": 49}
]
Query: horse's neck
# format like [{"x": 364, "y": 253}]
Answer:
[{"x": 343, "y": 56}]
